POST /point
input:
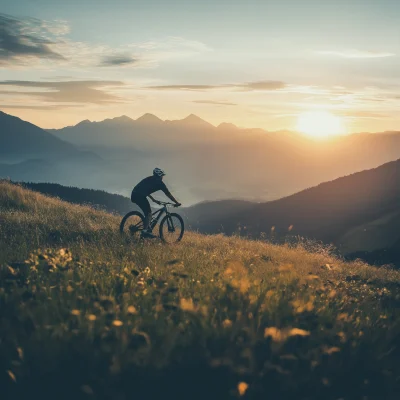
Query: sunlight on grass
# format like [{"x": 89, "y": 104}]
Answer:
[{"x": 213, "y": 317}]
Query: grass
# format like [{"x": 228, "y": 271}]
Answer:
[{"x": 87, "y": 314}]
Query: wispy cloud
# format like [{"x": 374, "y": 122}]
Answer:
[
  {"x": 94, "y": 92},
  {"x": 218, "y": 103},
  {"x": 362, "y": 114},
  {"x": 118, "y": 60},
  {"x": 50, "y": 107},
  {"x": 184, "y": 87},
  {"x": 356, "y": 54},
  {"x": 21, "y": 40},
  {"x": 30, "y": 42},
  {"x": 264, "y": 85},
  {"x": 248, "y": 86}
]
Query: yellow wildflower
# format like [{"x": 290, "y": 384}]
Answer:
[
  {"x": 242, "y": 388},
  {"x": 227, "y": 323},
  {"x": 275, "y": 334},
  {"x": 187, "y": 305},
  {"x": 132, "y": 310},
  {"x": 298, "y": 332}
]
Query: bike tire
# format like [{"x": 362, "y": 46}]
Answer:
[
  {"x": 139, "y": 224},
  {"x": 164, "y": 224}
]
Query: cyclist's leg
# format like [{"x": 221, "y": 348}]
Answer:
[{"x": 144, "y": 205}]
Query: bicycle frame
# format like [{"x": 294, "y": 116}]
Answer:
[{"x": 156, "y": 216}]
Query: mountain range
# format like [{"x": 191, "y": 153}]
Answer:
[
  {"x": 203, "y": 162},
  {"x": 208, "y": 162}
]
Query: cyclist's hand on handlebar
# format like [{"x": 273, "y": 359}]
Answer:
[{"x": 177, "y": 204}]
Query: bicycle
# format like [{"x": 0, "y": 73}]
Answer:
[{"x": 171, "y": 228}]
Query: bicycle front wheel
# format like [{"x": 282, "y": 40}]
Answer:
[
  {"x": 132, "y": 224},
  {"x": 172, "y": 228}
]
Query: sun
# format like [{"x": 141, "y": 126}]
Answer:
[{"x": 320, "y": 124}]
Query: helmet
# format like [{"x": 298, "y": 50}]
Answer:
[{"x": 158, "y": 172}]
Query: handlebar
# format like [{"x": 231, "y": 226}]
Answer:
[{"x": 166, "y": 203}]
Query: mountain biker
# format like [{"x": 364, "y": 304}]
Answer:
[{"x": 144, "y": 189}]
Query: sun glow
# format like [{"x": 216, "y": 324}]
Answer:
[{"x": 320, "y": 124}]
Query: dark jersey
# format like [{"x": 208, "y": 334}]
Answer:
[{"x": 150, "y": 185}]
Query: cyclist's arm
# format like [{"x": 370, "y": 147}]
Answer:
[
  {"x": 170, "y": 196},
  {"x": 153, "y": 199}
]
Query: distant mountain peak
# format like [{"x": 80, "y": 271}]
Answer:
[
  {"x": 194, "y": 120},
  {"x": 226, "y": 126},
  {"x": 86, "y": 121},
  {"x": 122, "y": 118},
  {"x": 149, "y": 119}
]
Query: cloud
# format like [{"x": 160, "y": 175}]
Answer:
[
  {"x": 362, "y": 114},
  {"x": 93, "y": 92},
  {"x": 264, "y": 85},
  {"x": 357, "y": 54},
  {"x": 118, "y": 60},
  {"x": 52, "y": 107},
  {"x": 248, "y": 86},
  {"x": 22, "y": 39},
  {"x": 183, "y": 87},
  {"x": 218, "y": 103},
  {"x": 29, "y": 42}
]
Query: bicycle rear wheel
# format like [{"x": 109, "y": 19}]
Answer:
[
  {"x": 172, "y": 228},
  {"x": 132, "y": 224}
]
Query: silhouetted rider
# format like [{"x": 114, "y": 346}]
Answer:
[{"x": 144, "y": 189}]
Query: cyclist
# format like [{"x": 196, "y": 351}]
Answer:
[{"x": 144, "y": 189}]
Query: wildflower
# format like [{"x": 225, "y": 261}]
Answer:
[
  {"x": 298, "y": 332},
  {"x": 20, "y": 353},
  {"x": 301, "y": 306},
  {"x": 132, "y": 310},
  {"x": 342, "y": 336},
  {"x": 91, "y": 317},
  {"x": 331, "y": 350},
  {"x": 332, "y": 294},
  {"x": 187, "y": 305},
  {"x": 242, "y": 388},
  {"x": 12, "y": 376},
  {"x": 274, "y": 333},
  {"x": 69, "y": 289},
  {"x": 343, "y": 317},
  {"x": 227, "y": 323},
  {"x": 117, "y": 322},
  {"x": 76, "y": 312},
  {"x": 269, "y": 294}
]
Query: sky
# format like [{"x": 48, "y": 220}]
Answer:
[{"x": 252, "y": 63}]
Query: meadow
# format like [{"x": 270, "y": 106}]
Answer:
[{"x": 88, "y": 314}]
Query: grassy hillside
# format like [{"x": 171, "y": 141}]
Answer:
[
  {"x": 112, "y": 203},
  {"x": 88, "y": 314}
]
